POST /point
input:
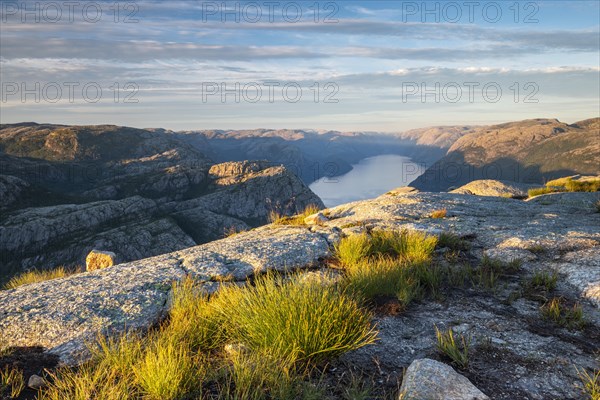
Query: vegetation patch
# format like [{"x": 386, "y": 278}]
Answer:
[
  {"x": 35, "y": 276},
  {"x": 253, "y": 342},
  {"x": 12, "y": 383},
  {"x": 557, "y": 311},
  {"x": 297, "y": 220},
  {"x": 566, "y": 185},
  {"x": 439, "y": 213},
  {"x": 455, "y": 350},
  {"x": 591, "y": 383}
]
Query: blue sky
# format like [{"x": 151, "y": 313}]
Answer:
[{"x": 360, "y": 66}]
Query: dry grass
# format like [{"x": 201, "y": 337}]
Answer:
[
  {"x": 276, "y": 218},
  {"x": 12, "y": 383},
  {"x": 35, "y": 276},
  {"x": 439, "y": 213}
]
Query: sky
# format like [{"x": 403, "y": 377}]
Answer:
[{"x": 335, "y": 65}]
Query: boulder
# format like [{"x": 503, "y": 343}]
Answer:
[
  {"x": 427, "y": 379},
  {"x": 98, "y": 259},
  {"x": 491, "y": 187}
]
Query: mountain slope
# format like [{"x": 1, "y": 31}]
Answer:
[
  {"x": 529, "y": 151},
  {"x": 65, "y": 190}
]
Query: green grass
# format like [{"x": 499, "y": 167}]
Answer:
[
  {"x": 543, "y": 190},
  {"x": 453, "y": 242},
  {"x": 537, "y": 249},
  {"x": 389, "y": 264},
  {"x": 597, "y": 205},
  {"x": 305, "y": 319},
  {"x": 409, "y": 246},
  {"x": 566, "y": 185},
  {"x": 590, "y": 382},
  {"x": 542, "y": 281},
  {"x": 561, "y": 314},
  {"x": 169, "y": 370},
  {"x": 297, "y": 220},
  {"x": 35, "y": 276},
  {"x": 282, "y": 326},
  {"x": 353, "y": 249},
  {"x": 12, "y": 383},
  {"x": 491, "y": 270},
  {"x": 457, "y": 351}
]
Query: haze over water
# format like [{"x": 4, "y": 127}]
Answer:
[{"x": 369, "y": 178}]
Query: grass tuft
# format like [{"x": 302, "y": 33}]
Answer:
[
  {"x": 591, "y": 383},
  {"x": 542, "y": 280},
  {"x": 35, "y": 276},
  {"x": 298, "y": 220},
  {"x": 453, "y": 242},
  {"x": 439, "y": 213},
  {"x": 561, "y": 314},
  {"x": 299, "y": 318},
  {"x": 457, "y": 351},
  {"x": 169, "y": 370},
  {"x": 12, "y": 383}
]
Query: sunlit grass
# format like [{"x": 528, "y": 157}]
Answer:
[
  {"x": 276, "y": 218},
  {"x": 35, "y": 276}
]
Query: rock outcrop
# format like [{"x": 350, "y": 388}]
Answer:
[
  {"x": 138, "y": 193},
  {"x": 514, "y": 354},
  {"x": 491, "y": 187}
]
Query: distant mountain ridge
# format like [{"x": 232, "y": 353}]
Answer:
[{"x": 530, "y": 151}]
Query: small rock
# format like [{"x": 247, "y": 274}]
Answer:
[
  {"x": 427, "y": 379},
  {"x": 234, "y": 349},
  {"x": 99, "y": 260},
  {"x": 316, "y": 219},
  {"x": 36, "y": 382}
]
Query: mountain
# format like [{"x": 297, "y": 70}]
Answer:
[
  {"x": 65, "y": 190},
  {"x": 530, "y": 151},
  {"x": 314, "y": 154}
]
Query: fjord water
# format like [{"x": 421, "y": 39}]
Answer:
[{"x": 369, "y": 178}]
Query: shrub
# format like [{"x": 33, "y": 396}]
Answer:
[
  {"x": 12, "y": 383},
  {"x": 458, "y": 352},
  {"x": 439, "y": 213},
  {"x": 302, "y": 319},
  {"x": 35, "y": 276},
  {"x": 557, "y": 311},
  {"x": 583, "y": 186}
]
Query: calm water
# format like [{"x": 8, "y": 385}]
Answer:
[{"x": 369, "y": 178}]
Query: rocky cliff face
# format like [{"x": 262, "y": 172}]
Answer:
[
  {"x": 68, "y": 189},
  {"x": 515, "y": 353},
  {"x": 527, "y": 151}
]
